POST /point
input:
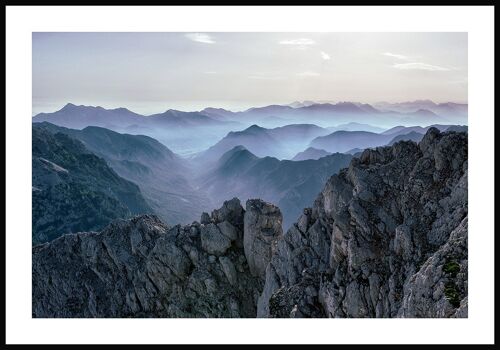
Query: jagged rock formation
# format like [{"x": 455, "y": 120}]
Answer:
[
  {"x": 144, "y": 268},
  {"x": 387, "y": 237}
]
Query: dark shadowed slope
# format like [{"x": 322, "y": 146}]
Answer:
[
  {"x": 74, "y": 190},
  {"x": 163, "y": 177}
]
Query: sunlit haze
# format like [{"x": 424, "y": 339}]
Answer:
[{"x": 152, "y": 72}]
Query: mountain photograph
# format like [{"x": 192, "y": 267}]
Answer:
[{"x": 249, "y": 175}]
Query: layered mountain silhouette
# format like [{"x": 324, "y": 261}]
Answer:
[
  {"x": 281, "y": 142},
  {"x": 73, "y": 116},
  {"x": 74, "y": 190},
  {"x": 163, "y": 177},
  {"x": 346, "y": 141},
  {"x": 288, "y": 184},
  {"x": 353, "y": 126},
  {"x": 343, "y": 141},
  {"x": 177, "y": 129},
  {"x": 173, "y": 128},
  {"x": 447, "y": 109},
  {"x": 78, "y": 117},
  {"x": 179, "y": 164}
]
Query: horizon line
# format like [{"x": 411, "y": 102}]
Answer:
[{"x": 247, "y": 109}]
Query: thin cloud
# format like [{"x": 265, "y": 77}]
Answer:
[
  {"x": 200, "y": 38},
  {"x": 419, "y": 66},
  {"x": 308, "y": 74},
  {"x": 301, "y": 42},
  {"x": 395, "y": 55},
  {"x": 325, "y": 56},
  {"x": 210, "y": 72}
]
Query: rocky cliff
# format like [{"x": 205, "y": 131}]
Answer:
[
  {"x": 144, "y": 268},
  {"x": 386, "y": 237}
]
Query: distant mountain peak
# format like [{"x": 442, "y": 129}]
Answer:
[
  {"x": 70, "y": 107},
  {"x": 122, "y": 109},
  {"x": 345, "y": 103},
  {"x": 254, "y": 127},
  {"x": 310, "y": 153},
  {"x": 423, "y": 111},
  {"x": 236, "y": 149},
  {"x": 214, "y": 109},
  {"x": 424, "y": 102},
  {"x": 236, "y": 157}
]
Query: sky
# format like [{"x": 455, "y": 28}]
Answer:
[{"x": 153, "y": 72}]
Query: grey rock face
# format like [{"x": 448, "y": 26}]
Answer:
[
  {"x": 439, "y": 287},
  {"x": 213, "y": 241},
  {"x": 143, "y": 268},
  {"x": 231, "y": 211},
  {"x": 262, "y": 227},
  {"x": 387, "y": 237}
]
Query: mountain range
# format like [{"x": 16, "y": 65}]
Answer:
[
  {"x": 73, "y": 190},
  {"x": 326, "y": 114},
  {"x": 345, "y": 141},
  {"x": 177, "y": 129},
  {"x": 173, "y": 128},
  {"x": 281, "y": 142},
  {"x": 165, "y": 179},
  {"x": 446, "y": 109},
  {"x": 247, "y": 163}
]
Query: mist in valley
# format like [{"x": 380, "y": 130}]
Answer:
[{"x": 187, "y": 163}]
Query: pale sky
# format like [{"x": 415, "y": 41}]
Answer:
[{"x": 152, "y": 72}]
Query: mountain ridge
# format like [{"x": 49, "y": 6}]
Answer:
[
  {"x": 74, "y": 190},
  {"x": 162, "y": 176}
]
